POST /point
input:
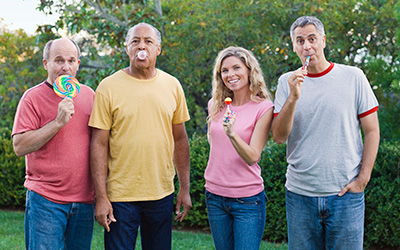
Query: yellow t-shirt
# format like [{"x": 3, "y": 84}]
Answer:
[{"x": 139, "y": 115}]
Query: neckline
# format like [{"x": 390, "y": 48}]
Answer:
[{"x": 323, "y": 72}]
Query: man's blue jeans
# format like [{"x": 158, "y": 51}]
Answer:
[
  {"x": 236, "y": 223},
  {"x": 154, "y": 219},
  {"x": 50, "y": 225},
  {"x": 331, "y": 222}
]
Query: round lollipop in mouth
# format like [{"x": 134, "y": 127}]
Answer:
[{"x": 142, "y": 55}]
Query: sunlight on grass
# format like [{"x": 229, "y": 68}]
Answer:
[{"x": 12, "y": 236}]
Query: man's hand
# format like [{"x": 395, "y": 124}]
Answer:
[
  {"x": 356, "y": 186},
  {"x": 182, "y": 199},
  {"x": 104, "y": 213}
]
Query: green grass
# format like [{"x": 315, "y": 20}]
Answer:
[{"x": 12, "y": 236}]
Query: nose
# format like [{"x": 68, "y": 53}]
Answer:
[
  {"x": 307, "y": 45},
  {"x": 66, "y": 66},
  {"x": 141, "y": 44}
]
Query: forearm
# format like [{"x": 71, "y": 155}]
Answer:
[
  {"x": 371, "y": 146},
  {"x": 99, "y": 164},
  {"x": 31, "y": 141},
  {"x": 182, "y": 163},
  {"x": 248, "y": 154},
  {"x": 283, "y": 123}
]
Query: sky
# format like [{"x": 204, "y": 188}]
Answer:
[{"x": 18, "y": 14}]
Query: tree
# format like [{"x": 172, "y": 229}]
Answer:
[
  {"x": 20, "y": 68},
  {"x": 359, "y": 33}
]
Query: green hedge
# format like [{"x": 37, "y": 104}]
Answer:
[
  {"x": 382, "y": 215},
  {"x": 12, "y": 173}
]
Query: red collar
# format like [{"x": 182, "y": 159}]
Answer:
[{"x": 323, "y": 72}]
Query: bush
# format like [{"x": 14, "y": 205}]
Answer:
[
  {"x": 12, "y": 173},
  {"x": 382, "y": 195},
  {"x": 382, "y": 198}
]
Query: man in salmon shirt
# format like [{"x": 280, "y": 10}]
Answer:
[
  {"x": 319, "y": 110},
  {"x": 53, "y": 135}
]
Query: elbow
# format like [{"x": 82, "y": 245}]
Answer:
[
  {"x": 251, "y": 163},
  {"x": 18, "y": 151},
  {"x": 278, "y": 139},
  {"x": 252, "y": 160}
]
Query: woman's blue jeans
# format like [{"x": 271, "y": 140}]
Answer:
[
  {"x": 50, "y": 225},
  {"x": 236, "y": 223},
  {"x": 331, "y": 222}
]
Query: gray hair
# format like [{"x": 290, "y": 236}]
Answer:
[
  {"x": 304, "y": 21},
  {"x": 130, "y": 31},
  {"x": 46, "y": 50}
]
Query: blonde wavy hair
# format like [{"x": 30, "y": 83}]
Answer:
[{"x": 258, "y": 88}]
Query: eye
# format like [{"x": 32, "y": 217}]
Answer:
[
  {"x": 224, "y": 70},
  {"x": 236, "y": 67},
  {"x": 149, "y": 41},
  {"x": 300, "y": 41}
]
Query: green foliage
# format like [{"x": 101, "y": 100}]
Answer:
[
  {"x": 12, "y": 173},
  {"x": 273, "y": 168},
  {"x": 199, "y": 151},
  {"x": 382, "y": 197},
  {"x": 20, "y": 68},
  {"x": 359, "y": 33}
]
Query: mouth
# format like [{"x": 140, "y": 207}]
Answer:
[
  {"x": 141, "y": 55},
  {"x": 233, "y": 81}
]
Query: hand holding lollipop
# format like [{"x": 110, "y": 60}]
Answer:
[
  {"x": 66, "y": 86},
  {"x": 228, "y": 101}
]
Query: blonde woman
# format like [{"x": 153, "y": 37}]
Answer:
[{"x": 235, "y": 194}]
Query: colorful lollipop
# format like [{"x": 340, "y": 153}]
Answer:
[
  {"x": 228, "y": 101},
  {"x": 66, "y": 86},
  {"x": 307, "y": 62}
]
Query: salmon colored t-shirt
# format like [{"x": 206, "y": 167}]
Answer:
[{"x": 59, "y": 171}]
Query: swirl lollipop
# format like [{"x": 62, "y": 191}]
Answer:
[
  {"x": 66, "y": 86},
  {"x": 307, "y": 62},
  {"x": 228, "y": 102}
]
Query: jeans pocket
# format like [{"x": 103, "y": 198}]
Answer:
[
  {"x": 253, "y": 200},
  {"x": 207, "y": 194}
]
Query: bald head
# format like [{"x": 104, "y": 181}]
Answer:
[
  {"x": 131, "y": 30},
  {"x": 64, "y": 41}
]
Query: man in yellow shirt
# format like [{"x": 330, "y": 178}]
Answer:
[{"x": 138, "y": 139}]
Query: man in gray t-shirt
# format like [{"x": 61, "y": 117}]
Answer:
[{"x": 319, "y": 110}]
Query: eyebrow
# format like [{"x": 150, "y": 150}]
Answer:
[
  {"x": 311, "y": 35},
  {"x": 61, "y": 57},
  {"x": 138, "y": 37}
]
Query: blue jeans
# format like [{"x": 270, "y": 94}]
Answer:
[
  {"x": 154, "y": 219},
  {"x": 236, "y": 223},
  {"x": 331, "y": 222},
  {"x": 50, "y": 225}
]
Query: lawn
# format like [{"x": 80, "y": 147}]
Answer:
[{"x": 12, "y": 236}]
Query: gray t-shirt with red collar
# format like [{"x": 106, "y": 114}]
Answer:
[{"x": 324, "y": 149}]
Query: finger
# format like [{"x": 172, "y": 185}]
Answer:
[
  {"x": 343, "y": 191},
  {"x": 177, "y": 207}
]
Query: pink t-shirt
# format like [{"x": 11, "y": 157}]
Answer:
[
  {"x": 227, "y": 174},
  {"x": 60, "y": 169}
]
